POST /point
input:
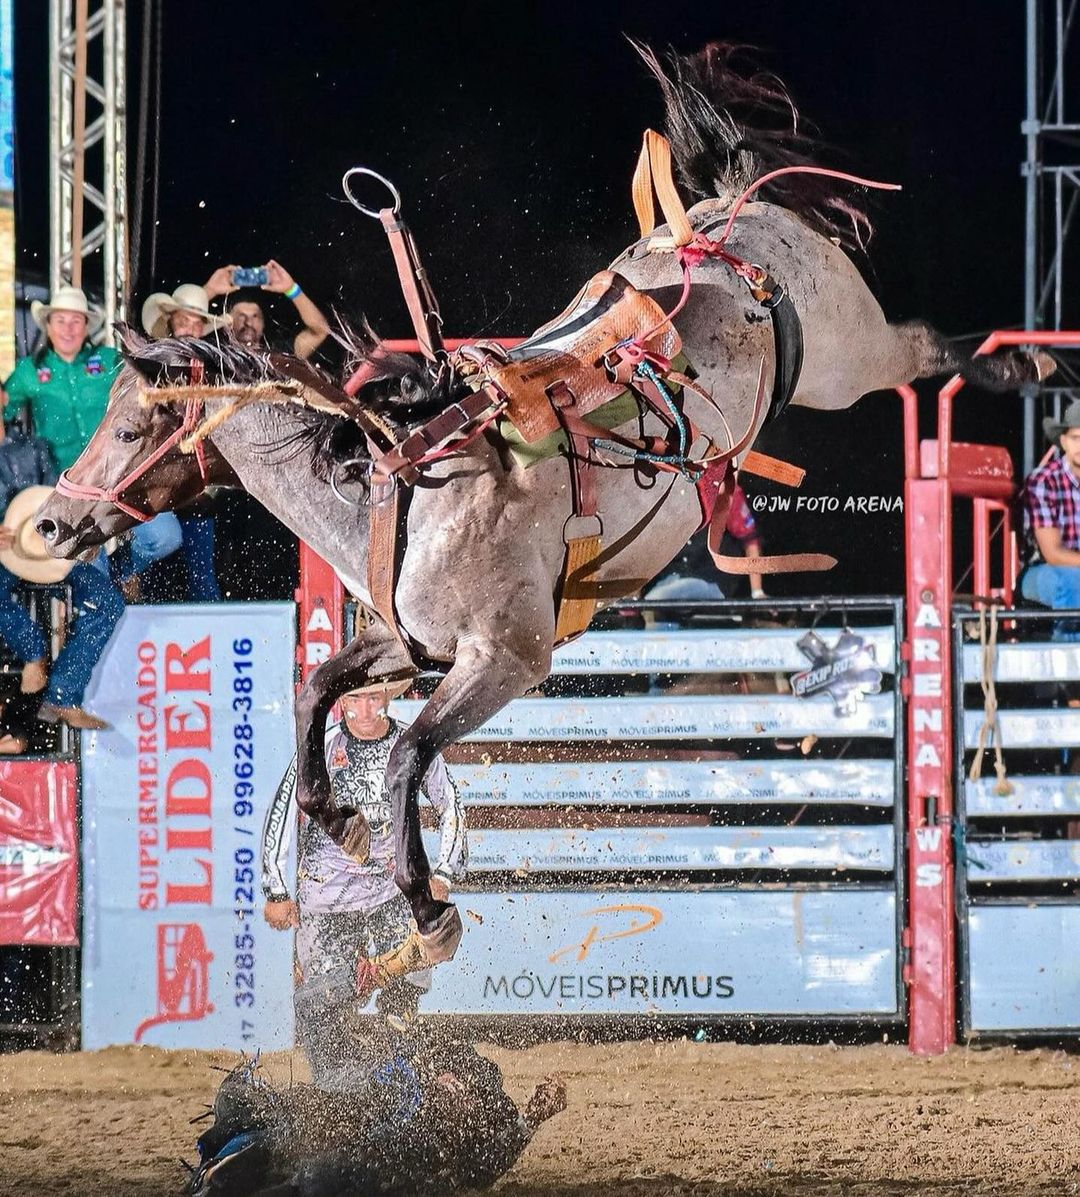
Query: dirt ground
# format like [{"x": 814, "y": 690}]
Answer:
[{"x": 644, "y": 1120}]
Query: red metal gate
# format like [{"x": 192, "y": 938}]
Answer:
[{"x": 937, "y": 473}]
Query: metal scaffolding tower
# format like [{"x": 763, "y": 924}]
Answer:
[
  {"x": 1051, "y": 171},
  {"x": 87, "y": 151}
]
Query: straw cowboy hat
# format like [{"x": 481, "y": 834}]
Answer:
[
  {"x": 67, "y": 299},
  {"x": 1071, "y": 419},
  {"x": 27, "y": 558},
  {"x": 188, "y": 297},
  {"x": 391, "y": 687}
]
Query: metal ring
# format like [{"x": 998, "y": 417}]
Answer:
[
  {"x": 374, "y": 174},
  {"x": 334, "y": 482}
]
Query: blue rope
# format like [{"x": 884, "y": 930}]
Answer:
[
  {"x": 645, "y": 370},
  {"x": 641, "y": 455},
  {"x": 964, "y": 859}
]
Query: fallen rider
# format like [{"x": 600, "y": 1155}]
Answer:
[{"x": 426, "y": 1116}]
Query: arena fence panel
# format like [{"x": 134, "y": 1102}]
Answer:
[
  {"x": 666, "y": 831},
  {"x": 1017, "y": 838}
]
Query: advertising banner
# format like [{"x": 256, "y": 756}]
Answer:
[
  {"x": 1036, "y": 728},
  {"x": 175, "y": 949},
  {"x": 688, "y": 717},
  {"x": 1048, "y": 794},
  {"x": 664, "y": 783},
  {"x": 708, "y": 953},
  {"x": 689, "y": 849},
  {"x": 712, "y": 650},
  {"x": 39, "y": 853},
  {"x": 1054, "y": 662}
]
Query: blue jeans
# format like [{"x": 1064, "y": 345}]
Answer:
[
  {"x": 1056, "y": 587},
  {"x": 97, "y": 607},
  {"x": 150, "y": 542},
  {"x": 199, "y": 554}
]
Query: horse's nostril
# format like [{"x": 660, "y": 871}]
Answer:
[{"x": 47, "y": 529}]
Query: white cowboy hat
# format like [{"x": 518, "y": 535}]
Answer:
[
  {"x": 67, "y": 299},
  {"x": 188, "y": 297},
  {"x": 28, "y": 558}
]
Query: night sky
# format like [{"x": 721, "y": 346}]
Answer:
[{"x": 512, "y": 132}]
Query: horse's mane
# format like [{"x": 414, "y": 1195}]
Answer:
[
  {"x": 401, "y": 389},
  {"x": 729, "y": 123}
]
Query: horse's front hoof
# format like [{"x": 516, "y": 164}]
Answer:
[
  {"x": 441, "y": 942},
  {"x": 357, "y": 841}
]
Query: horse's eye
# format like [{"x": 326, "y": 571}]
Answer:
[{"x": 126, "y": 436}]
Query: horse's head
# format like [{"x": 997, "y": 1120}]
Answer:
[{"x": 133, "y": 467}]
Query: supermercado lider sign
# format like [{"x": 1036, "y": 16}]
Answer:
[
  {"x": 175, "y": 951},
  {"x": 708, "y": 953}
]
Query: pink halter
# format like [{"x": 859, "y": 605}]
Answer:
[{"x": 193, "y": 412}]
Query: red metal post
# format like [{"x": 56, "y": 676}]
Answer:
[
  {"x": 320, "y": 600},
  {"x": 931, "y": 970},
  {"x": 1012, "y": 555},
  {"x": 981, "y": 580},
  {"x": 911, "y": 430}
]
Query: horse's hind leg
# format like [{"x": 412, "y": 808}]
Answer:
[
  {"x": 375, "y": 653},
  {"x": 484, "y": 678},
  {"x": 929, "y": 354}
]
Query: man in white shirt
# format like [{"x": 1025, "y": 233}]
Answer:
[{"x": 347, "y": 911}]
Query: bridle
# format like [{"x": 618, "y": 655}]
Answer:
[{"x": 193, "y": 414}]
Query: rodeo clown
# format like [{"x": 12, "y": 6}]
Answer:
[{"x": 347, "y": 910}]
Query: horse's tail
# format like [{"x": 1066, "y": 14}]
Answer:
[{"x": 729, "y": 123}]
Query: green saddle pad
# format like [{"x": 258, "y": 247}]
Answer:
[{"x": 620, "y": 410}]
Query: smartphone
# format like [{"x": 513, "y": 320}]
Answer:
[{"x": 250, "y": 276}]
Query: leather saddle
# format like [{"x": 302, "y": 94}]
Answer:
[{"x": 569, "y": 352}]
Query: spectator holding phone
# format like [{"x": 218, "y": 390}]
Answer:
[{"x": 248, "y": 318}]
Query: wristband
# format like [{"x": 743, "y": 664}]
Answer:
[{"x": 293, "y": 291}]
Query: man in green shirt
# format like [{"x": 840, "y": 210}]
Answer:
[{"x": 66, "y": 382}]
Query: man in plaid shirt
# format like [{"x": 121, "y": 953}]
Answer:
[{"x": 1052, "y": 504}]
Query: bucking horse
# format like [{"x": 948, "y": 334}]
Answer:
[{"x": 493, "y": 501}]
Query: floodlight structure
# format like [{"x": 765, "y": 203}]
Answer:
[
  {"x": 87, "y": 150},
  {"x": 1051, "y": 171}
]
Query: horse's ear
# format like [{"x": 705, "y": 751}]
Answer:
[
  {"x": 132, "y": 341},
  {"x": 412, "y": 389},
  {"x": 150, "y": 370}
]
